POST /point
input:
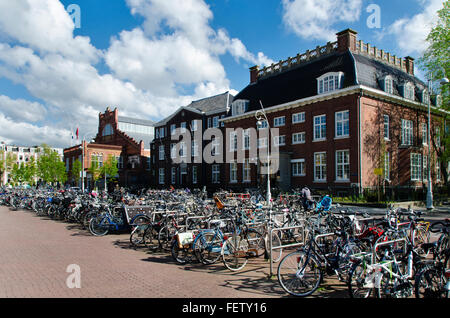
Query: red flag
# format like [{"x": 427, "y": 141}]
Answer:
[{"x": 77, "y": 133}]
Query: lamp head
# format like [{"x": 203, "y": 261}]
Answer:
[{"x": 444, "y": 81}]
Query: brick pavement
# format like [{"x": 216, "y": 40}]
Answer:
[{"x": 36, "y": 251}]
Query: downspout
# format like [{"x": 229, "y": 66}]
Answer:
[{"x": 359, "y": 123}]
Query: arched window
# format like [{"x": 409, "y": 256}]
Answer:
[
  {"x": 108, "y": 130},
  {"x": 330, "y": 82}
]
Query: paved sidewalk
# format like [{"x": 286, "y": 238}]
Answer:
[{"x": 36, "y": 251}]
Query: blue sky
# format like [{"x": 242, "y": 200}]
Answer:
[{"x": 148, "y": 57}]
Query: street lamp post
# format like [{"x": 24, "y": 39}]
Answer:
[
  {"x": 430, "y": 185},
  {"x": 260, "y": 116}
]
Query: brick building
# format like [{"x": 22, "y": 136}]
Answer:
[
  {"x": 179, "y": 161},
  {"x": 127, "y": 139},
  {"x": 346, "y": 113}
]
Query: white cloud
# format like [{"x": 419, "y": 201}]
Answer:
[
  {"x": 23, "y": 133},
  {"x": 45, "y": 26},
  {"x": 411, "y": 33},
  {"x": 20, "y": 109},
  {"x": 314, "y": 19},
  {"x": 172, "y": 59}
]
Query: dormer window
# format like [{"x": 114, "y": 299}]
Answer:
[
  {"x": 408, "y": 91},
  {"x": 424, "y": 96},
  {"x": 388, "y": 84},
  {"x": 330, "y": 82},
  {"x": 438, "y": 100},
  {"x": 239, "y": 107}
]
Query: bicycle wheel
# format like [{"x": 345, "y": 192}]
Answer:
[
  {"x": 299, "y": 274},
  {"x": 165, "y": 237},
  {"x": 208, "y": 247},
  {"x": 137, "y": 235},
  {"x": 180, "y": 255},
  {"x": 391, "y": 286},
  {"x": 276, "y": 251},
  {"x": 430, "y": 283},
  {"x": 421, "y": 236},
  {"x": 234, "y": 253},
  {"x": 97, "y": 228},
  {"x": 359, "y": 284}
]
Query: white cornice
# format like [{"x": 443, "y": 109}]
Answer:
[{"x": 340, "y": 93}]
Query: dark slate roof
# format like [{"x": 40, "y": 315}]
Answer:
[
  {"x": 370, "y": 72},
  {"x": 298, "y": 82},
  {"x": 205, "y": 105},
  {"x": 213, "y": 103},
  {"x": 136, "y": 121}
]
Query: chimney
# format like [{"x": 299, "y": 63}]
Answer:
[
  {"x": 346, "y": 40},
  {"x": 409, "y": 62},
  {"x": 254, "y": 74}
]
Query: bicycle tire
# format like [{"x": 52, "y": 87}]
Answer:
[
  {"x": 357, "y": 281},
  {"x": 430, "y": 283},
  {"x": 234, "y": 253},
  {"x": 298, "y": 283},
  {"x": 96, "y": 229},
  {"x": 207, "y": 247}
]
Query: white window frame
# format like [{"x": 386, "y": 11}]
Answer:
[
  {"x": 389, "y": 85},
  {"x": 161, "y": 152},
  {"x": 322, "y": 166},
  {"x": 239, "y": 107},
  {"x": 386, "y": 127},
  {"x": 262, "y": 143},
  {"x": 343, "y": 166},
  {"x": 194, "y": 149},
  {"x": 345, "y": 122},
  {"x": 298, "y": 118},
  {"x": 279, "y": 140},
  {"x": 320, "y": 124},
  {"x": 387, "y": 166},
  {"x": 215, "y": 146},
  {"x": 215, "y": 122},
  {"x": 233, "y": 141},
  {"x": 233, "y": 172},
  {"x": 416, "y": 166},
  {"x": 215, "y": 173},
  {"x": 263, "y": 125},
  {"x": 329, "y": 82},
  {"x": 298, "y": 167},
  {"x": 424, "y": 130},
  {"x": 279, "y": 121},
  {"x": 299, "y": 138},
  {"x": 246, "y": 139},
  {"x": 409, "y": 91},
  {"x": 407, "y": 132}
]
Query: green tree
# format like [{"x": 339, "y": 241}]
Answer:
[
  {"x": 436, "y": 62},
  {"x": 76, "y": 169},
  {"x": 7, "y": 161},
  {"x": 109, "y": 169},
  {"x": 18, "y": 173},
  {"x": 30, "y": 171},
  {"x": 95, "y": 170},
  {"x": 50, "y": 167}
]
